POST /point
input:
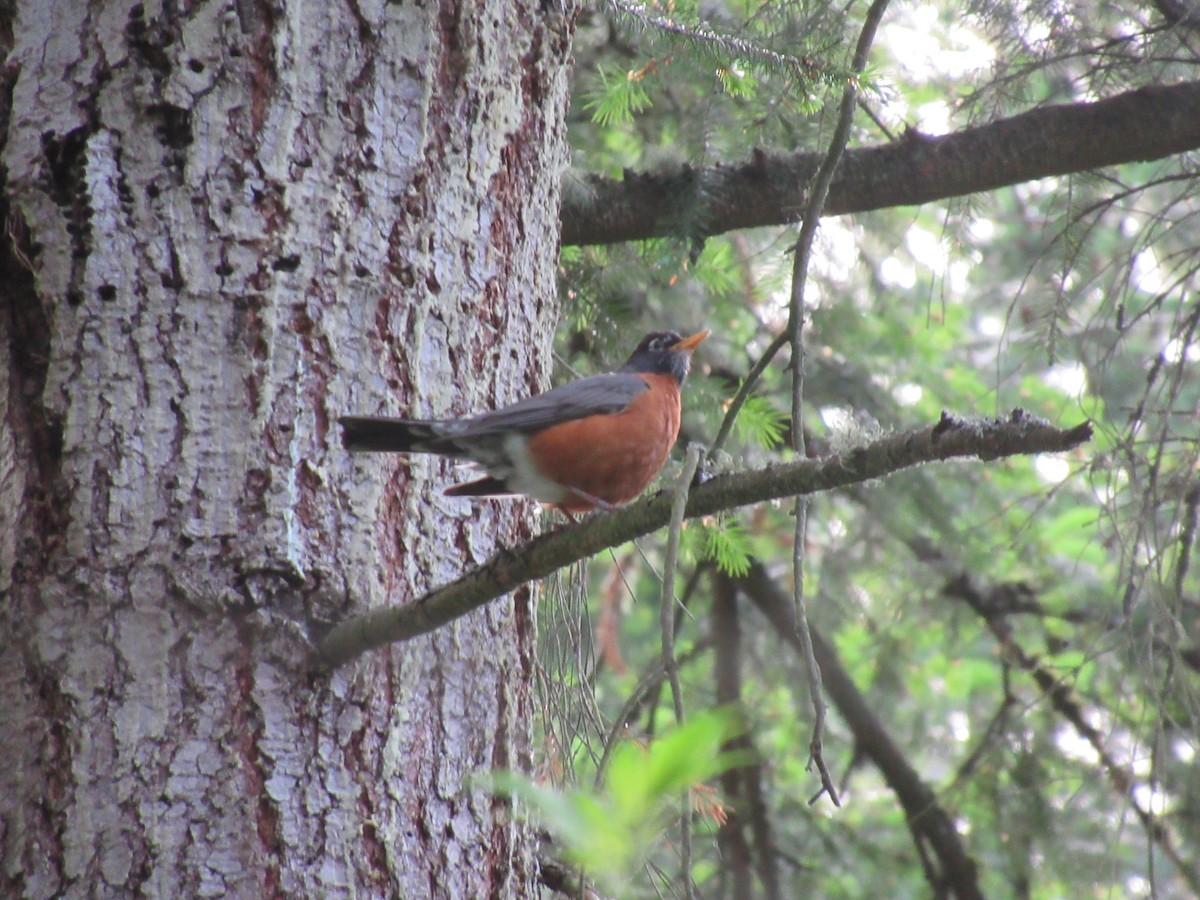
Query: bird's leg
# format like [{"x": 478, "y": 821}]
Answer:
[{"x": 595, "y": 501}]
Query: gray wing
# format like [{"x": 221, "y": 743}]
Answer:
[{"x": 592, "y": 396}]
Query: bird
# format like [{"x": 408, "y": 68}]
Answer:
[{"x": 593, "y": 443}]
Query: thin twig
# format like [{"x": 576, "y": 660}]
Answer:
[
  {"x": 804, "y": 243},
  {"x": 1068, "y": 704},
  {"x": 812, "y": 214},
  {"x": 648, "y": 685},
  {"x": 703, "y": 33},
  {"x": 666, "y": 619},
  {"x": 1187, "y": 536},
  {"x": 874, "y": 117},
  {"x": 931, "y": 823},
  {"x": 739, "y": 399}
]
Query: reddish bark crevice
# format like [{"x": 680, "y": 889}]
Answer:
[
  {"x": 258, "y": 18},
  {"x": 247, "y": 727}
]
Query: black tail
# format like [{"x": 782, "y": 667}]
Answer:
[{"x": 371, "y": 433}]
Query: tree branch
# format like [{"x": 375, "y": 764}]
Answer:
[
  {"x": 987, "y": 601},
  {"x": 742, "y": 784},
  {"x": 986, "y": 439},
  {"x": 927, "y": 819},
  {"x": 769, "y": 189},
  {"x": 726, "y": 633}
]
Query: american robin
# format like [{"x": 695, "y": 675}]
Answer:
[{"x": 593, "y": 443}]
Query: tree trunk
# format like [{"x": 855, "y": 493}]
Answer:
[{"x": 224, "y": 228}]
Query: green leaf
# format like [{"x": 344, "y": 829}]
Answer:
[
  {"x": 618, "y": 99},
  {"x": 607, "y": 830},
  {"x": 718, "y": 269},
  {"x": 728, "y": 544},
  {"x": 736, "y": 81},
  {"x": 760, "y": 422}
]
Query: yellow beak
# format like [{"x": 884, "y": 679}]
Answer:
[{"x": 691, "y": 342}]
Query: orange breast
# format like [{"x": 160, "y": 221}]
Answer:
[{"x": 612, "y": 457}]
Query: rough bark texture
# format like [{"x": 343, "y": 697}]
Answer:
[
  {"x": 771, "y": 188},
  {"x": 225, "y": 226}
]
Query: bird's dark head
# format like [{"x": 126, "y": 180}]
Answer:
[{"x": 664, "y": 353}]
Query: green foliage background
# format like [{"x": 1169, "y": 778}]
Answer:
[{"x": 1074, "y": 297}]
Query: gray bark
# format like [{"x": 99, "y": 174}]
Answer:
[{"x": 225, "y": 227}]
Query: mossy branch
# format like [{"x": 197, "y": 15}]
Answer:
[{"x": 950, "y": 438}]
